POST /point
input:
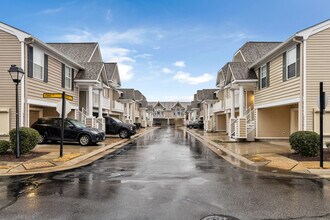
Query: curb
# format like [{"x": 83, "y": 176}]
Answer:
[
  {"x": 247, "y": 164},
  {"x": 82, "y": 160}
]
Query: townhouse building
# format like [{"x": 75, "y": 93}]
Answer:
[
  {"x": 234, "y": 110},
  {"x": 286, "y": 95},
  {"x": 98, "y": 84},
  {"x": 76, "y": 68},
  {"x": 270, "y": 90},
  {"x": 169, "y": 113},
  {"x": 135, "y": 106},
  {"x": 47, "y": 70}
]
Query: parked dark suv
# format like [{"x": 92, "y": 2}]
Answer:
[
  {"x": 115, "y": 126},
  {"x": 196, "y": 124},
  {"x": 74, "y": 131}
]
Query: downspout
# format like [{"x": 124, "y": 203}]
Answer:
[
  {"x": 303, "y": 101},
  {"x": 23, "y": 85}
]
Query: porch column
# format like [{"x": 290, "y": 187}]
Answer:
[
  {"x": 90, "y": 101},
  {"x": 100, "y": 103},
  {"x": 241, "y": 101},
  {"x": 127, "y": 111},
  {"x": 208, "y": 111},
  {"x": 232, "y": 107}
]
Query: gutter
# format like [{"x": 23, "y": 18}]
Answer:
[
  {"x": 54, "y": 51},
  {"x": 245, "y": 81},
  {"x": 272, "y": 53}
]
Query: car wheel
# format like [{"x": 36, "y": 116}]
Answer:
[
  {"x": 42, "y": 139},
  {"x": 123, "y": 133},
  {"x": 84, "y": 140},
  {"x": 190, "y": 127}
]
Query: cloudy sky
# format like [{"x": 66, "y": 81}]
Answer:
[{"x": 167, "y": 49}]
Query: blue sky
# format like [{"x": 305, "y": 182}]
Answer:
[{"x": 167, "y": 49}]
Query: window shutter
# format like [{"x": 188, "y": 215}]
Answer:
[
  {"x": 284, "y": 66},
  {"x": 298, "y": 60},
  {"x": 63, "y": 75},
  {"x": 267, "y": 74},
  {"x": 72, "y": 79},
  {"x": 259, "y": 79},
  {"x": 30, "y": 61},
  {"x": 45, "y": 68}
]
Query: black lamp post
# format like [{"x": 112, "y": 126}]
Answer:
[{"x": 16, "y": 75}]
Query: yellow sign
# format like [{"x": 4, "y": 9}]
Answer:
[{"x": 57, "y": 95}]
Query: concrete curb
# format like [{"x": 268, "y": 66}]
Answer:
[
  {"x": 82, "y": 160},
  {"x": 217, "y": 149},
  {"x": 223, "y": 149}
]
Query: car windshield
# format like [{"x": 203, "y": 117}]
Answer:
[
  {"x": 117, "y": 120},
  {"x": 78, "y": 124}
]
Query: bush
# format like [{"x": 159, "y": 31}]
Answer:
[
  {"x": 305, "y": 143},
  {"x": 4, "y": 146},
  {"x": 28, "y": 139}
]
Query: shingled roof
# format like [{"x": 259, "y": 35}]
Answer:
[
  {"x": 80, "y": 52},
  {"x": 169, "y": 105},
  {"x": 91, "y": 72},
  {"x": 241, "y": 71},
  {"x": 252, "y": 51},
  {"x": 127, "y": 94},
  {"x": 223, "y": 70},
  {"x": 206, "y": 94},
  {"x": 112, "y": 72}
]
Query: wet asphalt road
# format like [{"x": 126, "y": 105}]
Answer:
[{"x": 166, "y": 174}]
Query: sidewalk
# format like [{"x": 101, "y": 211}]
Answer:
[
  {"x": 45, "y": 158},
  {"x": 260, "y": 156}
]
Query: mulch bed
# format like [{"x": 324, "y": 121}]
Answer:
[
  {"x": 297, "y": 157},
  {"x": 10, "y": 157}
]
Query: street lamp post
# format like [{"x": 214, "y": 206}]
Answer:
[{"x": 16, "y": 75}]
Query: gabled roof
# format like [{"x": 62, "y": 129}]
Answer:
[
  {"x": 194, "y": 104},
  {"x": 298, "y": 36},
  {"x": 113, "y": 73},
  {"x": 80, "y": 52},
  {"x": 169, "y": 105},
  {"x": 28, "y": 38},
  {"x": 252, "y": 51},
  {"x": 206, "y": 94},
  {"x": 127, "y": 94},
  {"x": 241, "y": 71},
  {"x": 138, "y": 96},
  {"x": 91, "y": 72},
  {"x": 222, "y": 72}
]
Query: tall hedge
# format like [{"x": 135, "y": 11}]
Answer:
[
  {"x": 305, "y": 143},
  {"x": 28, "y": 139}
]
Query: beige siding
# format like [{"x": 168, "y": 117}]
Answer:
[
  {"x": 238, "y": 57},
  {"x": 278, "y": 90},
  {"x": 10, "y": 53},
  {"x": 36, "y": 87},
  {"x": 318, "y": 69}
]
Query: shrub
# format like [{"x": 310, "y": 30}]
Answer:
[
  {"x": 28, "y": 139},
  {"x": 4, "y": 146},
  {"x": 305, "y": 143}
]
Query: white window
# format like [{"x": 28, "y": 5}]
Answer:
[
  {"x": 38, "y": 63},
  {"x": 291, "y": 58},
  {"x": 263, "y": 77},
  {"x": 68, "y": 77}
]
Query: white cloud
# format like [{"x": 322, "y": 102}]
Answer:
[
  {"x": 125, "y": 72},
  {"x": 179, "y": 64},
  {"x": 186, "y": 78},
  {"x": 51, "y": 11},
  {"x": 156, "y": 48},
  {"x": 108, "y": 16},
  {"x": 144, "y": 56},
  {"x": 116, "y": 54},
  {"x": 167, "y": 70}
]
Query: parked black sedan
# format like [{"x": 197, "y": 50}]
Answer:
[
  {"x": 74, "y": 131},
  {"x": 196, "y": 124}
]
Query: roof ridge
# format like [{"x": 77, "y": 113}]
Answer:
[{"x": 92, "y": 42}]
